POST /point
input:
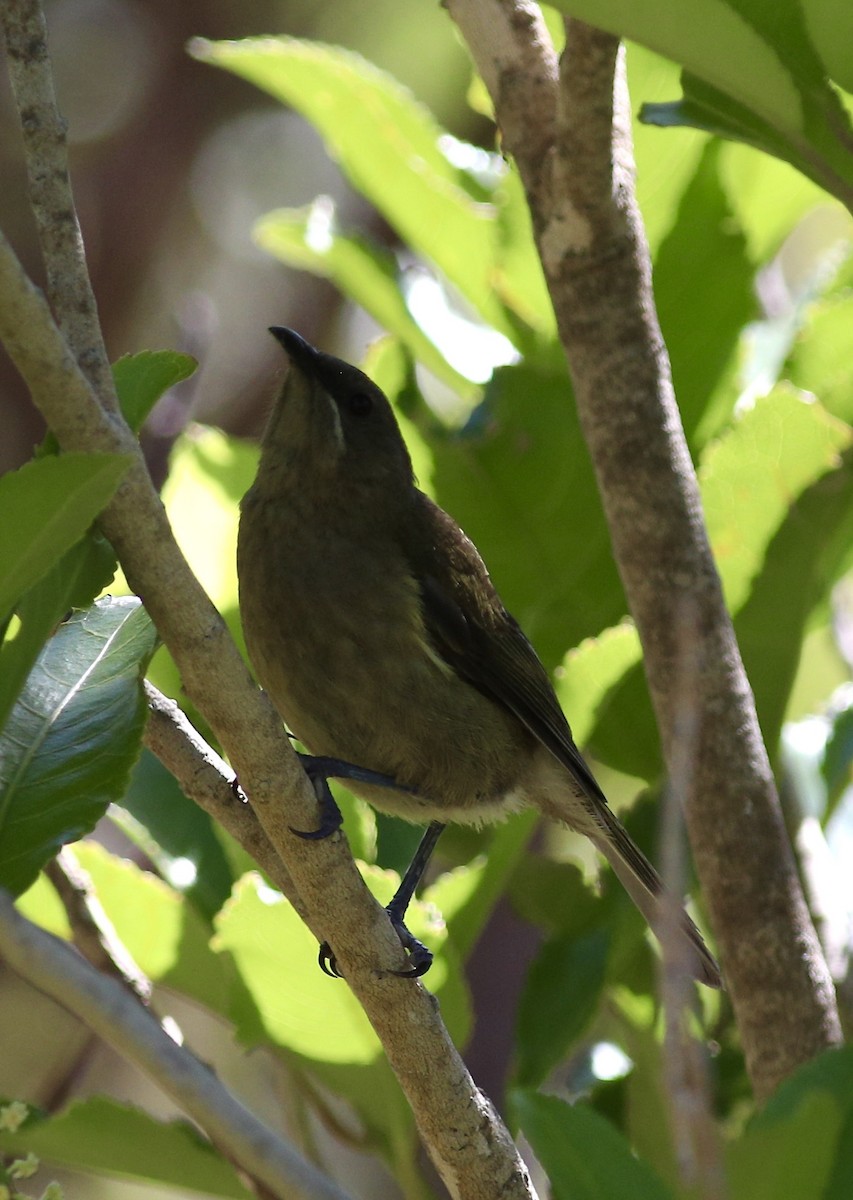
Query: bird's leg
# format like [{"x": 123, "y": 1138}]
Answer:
[
  {"x": 320, "y": 769},
  {"x": 420, "y": 956}
]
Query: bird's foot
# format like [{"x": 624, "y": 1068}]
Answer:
[
  {"x": 320, "y": 769},
  {"x": 420, "y": 956}
]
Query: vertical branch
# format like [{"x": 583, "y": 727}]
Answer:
[
  {"x": 43, "y": 129},
  {"x": 596, "y": 262},
  {"x": 685, "y": 1063}
]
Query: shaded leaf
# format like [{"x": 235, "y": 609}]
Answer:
[
  {"x": 584, "y": 1156},
  {"x": 703, "y": 283},
  {"x": 109, "y": 1138},
  {"x": 798, "y": 1146},
  {"x": 73, "y": 582},
  {"x": 72, "y": 737},
  {"x": 560, "y": 999},
  {"x": 141, "y": 379},
  {"x": 47, "y": 506}
]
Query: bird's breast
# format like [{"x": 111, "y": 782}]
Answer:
[{"x": 337, "y": 637}]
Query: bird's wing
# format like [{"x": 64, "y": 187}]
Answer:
[{"x": 472, "y": 631}]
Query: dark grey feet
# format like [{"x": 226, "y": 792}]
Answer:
[{"x": 420, "y": 956}]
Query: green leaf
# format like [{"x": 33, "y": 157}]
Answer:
[
  {"x": 554, "y": 896},
  {"x": 293, "y": 1008},
  {"x": 808, "y": 554},
  {"x": 308, "y": 238},
  {"x": 141, "y": 379},
  {"x": 837, "y": 765},
  {"x": 560, "y": 999},
  {"x": 830, "y": 27},
  {"x": 798, "y": 1146},
  {"x": 520, "y": 483},
  {"x": 751, "y": 73},
  {"x": 466, "y": 897},
  {"x": 70, "y": 741},
  {"x": 46, "y": 507},
  {"x": 703, "y": 289},
  {"x": 113, "y": 1139},
  {"x": 821, "y": 362},
  {"x": 73, "y": 582},
  {"x": 590, "y": 671},
  {"x": 389, "y": 147},
  {"x": 584, "y": 1156},
  {"x": 163, "y": 933},
  {"x": 766, "y": 460},
  {"x": 183, "y": 835},
  {"x": 518, "y": 275},
  {"x": 287, "y": 1002}
]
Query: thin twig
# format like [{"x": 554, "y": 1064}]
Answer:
[
  {"x": 206, "y": 779},
  {"x": 92, "y": 931},
  {"x": 103, "y": 1004}
]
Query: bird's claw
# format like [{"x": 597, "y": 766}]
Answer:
[
  {"x": 420, "y": 956},
  {"x": 320, "y": 769}
]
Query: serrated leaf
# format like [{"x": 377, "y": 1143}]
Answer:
[
  {"x": 768, "y": 458},
  {"x": 114, "y": 1139},
  {"x": 584, "y": 1156},
  {"x": 388, "y": 145},
  {"x": 72, "y": 737},
  {"x": 590, "y": 671},
  {"x": 47, "y": 505},
  {"x": 560, "y": 998}
]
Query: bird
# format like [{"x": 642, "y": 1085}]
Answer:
[{"x": 372, "y": 623}]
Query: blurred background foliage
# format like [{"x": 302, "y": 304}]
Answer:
[{"x": 341, "y": 181}]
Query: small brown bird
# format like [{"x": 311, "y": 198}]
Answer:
[{"x": 372, "y": 623}]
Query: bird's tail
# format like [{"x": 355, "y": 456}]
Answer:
[{"x": 645, "y": 887}]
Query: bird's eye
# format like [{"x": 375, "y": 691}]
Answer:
[{"x": 359, "y": 403}]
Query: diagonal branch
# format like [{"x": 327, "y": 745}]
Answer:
[
  {"x": 106, "y": 1007},
  {"x": 593, "y": 250},
  {"x": 470, "y": 1146},
  {"x": 51, "y": 199}
]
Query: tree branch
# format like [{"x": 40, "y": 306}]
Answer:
[
  {"x": 104, "y": 1005},
  {"x": 91, "y": 929},
  {"x": 206, "y": 779},
  {"x": 469, "y": 1144},
  {"x": 51, "y": 198},
  {"x": 593, "y": 250}
]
